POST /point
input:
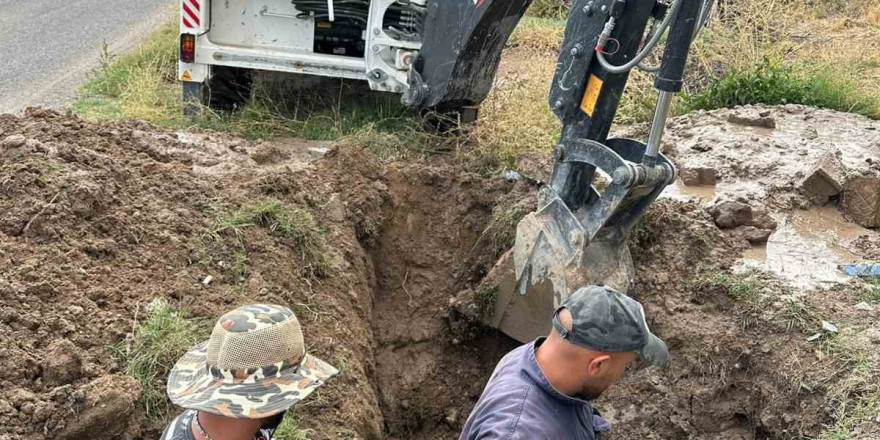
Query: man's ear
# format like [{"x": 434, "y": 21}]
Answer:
[{"x": 598, "y": 364}]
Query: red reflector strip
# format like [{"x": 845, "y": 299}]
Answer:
[
  {"x": 192, "y": 15},
  {"x": 195, "y": 4},
  {"x": 187, "y": 23}
]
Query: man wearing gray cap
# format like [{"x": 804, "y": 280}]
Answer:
[{"x": 542, "y": 390}]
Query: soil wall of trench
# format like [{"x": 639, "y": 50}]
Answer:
[{"x": 100, "y": 220}]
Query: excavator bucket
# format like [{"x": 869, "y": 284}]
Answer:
[{"x": 558, "y": 251}]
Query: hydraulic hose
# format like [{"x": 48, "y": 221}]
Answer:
[
  {"x": 705, "y": 11},
  {"x": 649, "y": 46}
]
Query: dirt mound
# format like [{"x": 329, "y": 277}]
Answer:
[{"x": 102, "y": 220}]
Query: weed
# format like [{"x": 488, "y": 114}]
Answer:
[
  {"x": 798, "y": 315},
  {"x": 485, "y": 300},
  {"x": 744, "y": 286},
  {"x": 502, "y": 227},
  {"x": 543, "y": 34},
  {"x": 555, "y": 9},
  {"x": 290, "y": 429},
  {"x": 854, "y": 398},
  {"x": 296, "y": 224},
  {"x": 870, "y": 292},
  {"x": 150, "y": 351},
  {"x": 240, "y": 269}
]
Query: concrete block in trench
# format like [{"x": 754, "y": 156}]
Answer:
[
  {"x": 861, "y": 201},
  {"x": 825, "y": 179}
]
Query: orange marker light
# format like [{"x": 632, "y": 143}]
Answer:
[{"x": 187, "y": 48}]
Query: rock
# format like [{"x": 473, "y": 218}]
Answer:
[
  {"x": 451, "y": 417},
  {"x": 12, "y": 141},
  {"x": 751, "y": 118},
  {"x": 829, "y": 327},
  {"x": 207, "y": 280},
  {"x": 5, "y": 407},
  {"x": 19, "y": 396},
  {"x": 762, "y": 219},
  {"x": 824, "y": 180},
  {"x": 861, "y": 201},
  {"x": 753, "y": 234},
  {"x": 698, "y": 176},
  {"x": 864, "y": 306},
  {"x": 317, "y": 151},
  {"x": 62, "y": 363},
  {"x": 702, "y": 148},
  {"x": 729, "y": 215}
]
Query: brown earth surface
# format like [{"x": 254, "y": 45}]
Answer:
[{"x": 100, "y": 220}]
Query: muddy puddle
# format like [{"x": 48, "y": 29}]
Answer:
[
  {"x": 808, "y": 247},
  {"x": 682, "y": 192}
]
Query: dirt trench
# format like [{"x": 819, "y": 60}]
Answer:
[{"x": 100, "y": 220}]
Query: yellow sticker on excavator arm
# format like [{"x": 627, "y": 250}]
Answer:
[{"x": 591, "y": 95}]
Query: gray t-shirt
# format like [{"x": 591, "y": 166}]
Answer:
[
  {"x": 519, "y": 403},
  {"x": 179, "y": 428}
]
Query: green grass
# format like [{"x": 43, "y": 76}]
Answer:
[
  {"x": 143, "y": 85},
  {"x": 799, "y": 316},
  {"x": 485, "y": 300},
  {"x": 870, "y": 292},
  {"x": 294, "y": 223},
  {"x": 554, "y": 9},
  {"x": 744, "y": 286},
  {"x": 774, "y": 83},
  {"x": 853, "y": 400},
  {"x": 148, "y": 354},
  {"x": 502, "y": 227},
  {"x": 290, "y": 429}
]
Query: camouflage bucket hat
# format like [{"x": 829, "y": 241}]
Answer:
[{"x": 254, "y": 366}]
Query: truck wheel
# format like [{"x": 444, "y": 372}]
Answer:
[{"x": 229, "y": 88}]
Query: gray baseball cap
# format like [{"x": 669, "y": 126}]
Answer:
[{"x": 604, "y": 319}]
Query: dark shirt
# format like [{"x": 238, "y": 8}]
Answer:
[
  {"x": 180, "y": 428},
  {"x": 519, "y": 403}
]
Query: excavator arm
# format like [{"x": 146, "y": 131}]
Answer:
[{"x": 578, "y": 234}]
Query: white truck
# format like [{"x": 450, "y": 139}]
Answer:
[{"x": 435, "y": 53}]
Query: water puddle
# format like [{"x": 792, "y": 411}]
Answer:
[
  {"x": 680, "y": 191},
  {"x": 806, "y": 248}
]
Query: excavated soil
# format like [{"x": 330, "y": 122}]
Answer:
[{"x": 100, "y": 220}]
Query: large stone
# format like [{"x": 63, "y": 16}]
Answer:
[
  {"x": 730, "y": 214},
  {"x": 762, "y": 219},
  {"x": 861, "y": 201},
  {"x": 753, "y": 234},
  {"x": 825, "y": 179},
  {"x": 698, "y": 176},
  {"x": 751, "y": 118}
]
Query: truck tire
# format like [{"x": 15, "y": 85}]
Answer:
[{"x": 229, "y": 88}]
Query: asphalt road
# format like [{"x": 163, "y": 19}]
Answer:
[{"x": 49, "y": 47}]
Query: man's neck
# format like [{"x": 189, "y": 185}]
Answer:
[
  {"x": 553, "y": 367},
  {"x": 225, "y": 428}
]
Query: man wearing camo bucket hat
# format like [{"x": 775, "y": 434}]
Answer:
[{"x": 238, "y": 384}]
